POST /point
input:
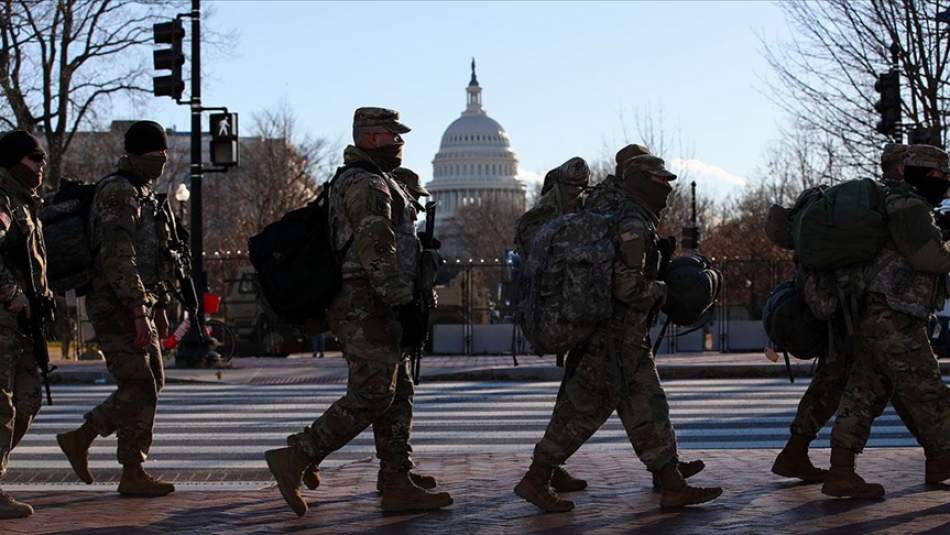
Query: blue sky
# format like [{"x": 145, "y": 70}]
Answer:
[{"x": 556, "y": 75}]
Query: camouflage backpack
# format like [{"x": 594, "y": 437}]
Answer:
[
  {"x": 529, "y": 224},
  {"x": 566, "y": 281}
]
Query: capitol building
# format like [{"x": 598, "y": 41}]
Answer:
[{"x": 475, "y": 164}]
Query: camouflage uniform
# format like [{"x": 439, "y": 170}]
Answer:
[
  {"x": 379, "y": 271},
  {"x": 130, "y": 271},
  {"x": 616, "y": 369},
  {"x": 894, "y": 361},
  {"x": 20, "y": 382},
  {"x": 574, "y": 174}
]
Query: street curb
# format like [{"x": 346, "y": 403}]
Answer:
[{"x": 103, "y": 378}]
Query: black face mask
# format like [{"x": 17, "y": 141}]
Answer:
[
  {"x": 387, "y": 157},
  {"x": 27, "y": 177},
  {"x": 932, "y": 189},
  {"x": 651, "y": 194}
]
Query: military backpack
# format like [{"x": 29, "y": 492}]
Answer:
[
  {"x": 791, "y": 325},
  {"x": 68, "y": 235},
  {"x": 566, "y": 281},
  {"x": 693, "y": 285},
  {"x": 297, "y": 267}
]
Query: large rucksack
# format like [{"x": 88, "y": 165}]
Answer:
[
  {"x": 839, "y": 226},
  {"x": 791, "y": 325},
  {"x": 297, "y": 267},
  {"x": 566, "y": 281},
  {"x": 68, "y": 236}
]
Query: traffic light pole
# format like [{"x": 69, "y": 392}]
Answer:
[{"x": 194, "y": 349}]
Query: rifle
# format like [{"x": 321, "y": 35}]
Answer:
[
  {"x": 41, "y": 313},
  {"x": 425, "y": 278},
  {"x": 181, "y": 257}
]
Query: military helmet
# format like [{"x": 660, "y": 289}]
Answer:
[
  {"x": 926, "y": 156},
  {"x": 693, "y": 286},
  {"x": 791, "y": 325}
]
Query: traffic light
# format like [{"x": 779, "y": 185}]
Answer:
[
  {"x": 172, "y": 59},
  {"x": 888, "y": 85},
  {"x": 690, "y": 239},
  {"x": 224, "y": 139}
]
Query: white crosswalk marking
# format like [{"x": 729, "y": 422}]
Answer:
[{"x": 228, "y": 427}]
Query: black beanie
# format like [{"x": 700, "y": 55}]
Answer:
[
  {"x": 17, "y": 144},
  {"x": 145, "y": 136}
]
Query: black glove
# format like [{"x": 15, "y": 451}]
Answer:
[{"x": 666, "y": 247}]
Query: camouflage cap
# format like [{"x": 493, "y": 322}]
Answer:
[
  {"x": 407, "y": 177},
  {"x": 927, "y": 156},
  {"x": 647, "y": 164},
  {"x": 893, "y": 153},
  {"x": 631, "y": 151},
  {"x": 366, "y": 118},
  {"x": 574, "y": 172}
]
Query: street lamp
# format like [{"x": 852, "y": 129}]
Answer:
[{"x": 182, "y": 194}]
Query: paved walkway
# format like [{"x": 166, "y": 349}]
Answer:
[{"x": 619, "y": 500}]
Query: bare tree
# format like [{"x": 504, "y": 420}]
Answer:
[
  {"x": 825, "y": 74},
  {"x": 484, "y": 231}
]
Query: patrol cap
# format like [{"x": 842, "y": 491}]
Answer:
[
  {"x": 378, "y": 118},
  {"x": 893, "y": 153},
  {"x": 927, "y": 156},
  {"x": 647, "y": 164},
  {"x": 631, "y": 151},
  {"x": 410, "y": 179}
]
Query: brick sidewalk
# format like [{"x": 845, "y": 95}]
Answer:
[{"x": 618, "y": 500}]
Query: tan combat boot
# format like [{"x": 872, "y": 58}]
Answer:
[
  {"x": 421, "y": 481},
  {"x": 843, "y": 482},
  {"x": 674, "y": 492},
  {"x": 287, "y": 466},
  {"x": 401, "y": 494},
  {"x": 10, "y": 508},
  {"x": 311, "y": 474},
  {"x": 535, "y": 487},
  {"x": 688, "y": 469},
  {"x": 563, "y": 481},
  {"x": 75, "y": 444},
  {"x": 937, "y": 470},
  {"x": 793, "y": 461},
  {"x": 136, "y": 481}
]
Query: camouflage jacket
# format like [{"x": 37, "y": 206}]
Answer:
[
  {"x": 910, "y": 271},
  {"x": 19, "y": 226},
  {"x": 379, "y": 216},
  {"x": 132, "y": 242},
  {"x": 637, "y": 265}
]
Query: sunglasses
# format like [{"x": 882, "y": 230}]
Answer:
[{"x": 37, "y": 157}]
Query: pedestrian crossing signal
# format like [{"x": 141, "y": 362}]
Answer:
[{"x": 225, "y": 150}]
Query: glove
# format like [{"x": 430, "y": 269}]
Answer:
[{"x": 666, "y": 247}]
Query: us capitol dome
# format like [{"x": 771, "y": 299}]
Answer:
[{"x": 475, "y": 164}]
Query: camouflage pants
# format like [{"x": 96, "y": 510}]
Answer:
[
  {"x": 593, "y": 392},
  {"x": 896, "y": 363},
  {"x": 379, "y": 389},
  {"x": 139, "y": 375},
  {"x": 821, "y": 399},
  {"x": 20, "y": 391}
]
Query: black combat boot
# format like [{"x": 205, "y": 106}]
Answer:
[
  {"x": 401, "y": 494},
  {"x": 287, "y": 466},
  {"x": 793, "y": 461},
  {"x": 562, "y": 481},
  {"x": 843, "y": 482},
  {"x": 75, "y": 444},
  {"x": 674, "y": 492},
  {"x": 535, "y": 487}
]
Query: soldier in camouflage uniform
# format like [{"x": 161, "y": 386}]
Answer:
[
  {"x": 22, "y": 163},
  {"x": 894, "y": 360},
  {"x": 373, "y": 221},
  {"x": 561, "y": 194},
  {"x": 126, "y": 306},
  {"x": 823, "y": 395},
  {"x": 616, "y": 370}
]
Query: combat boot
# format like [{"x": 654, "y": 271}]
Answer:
[
  {"x": 311, "y": 474},
  {"x": 287, "y": 466},
  {"x": 421, "y": 481},
  {"x": 10, "y": 508},
  {"x": 937, "y": 470},
  {"x": 535, "y": 487},
  {"x": 793, "y": 461},
  {"x": 688, "y": 469},
  {"x": 674, "y": 492},
  {"x": 401, "y": 494},
  {"x": 75, "y": 444},
  {"x": 136, "y": 481},
  {"x": 843, "y": 482},
  {"x": 563, "y": 481}
]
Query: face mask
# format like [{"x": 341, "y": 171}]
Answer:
[
  {"x": 387, "y": 157},
  {"x": 932, "y": 189},
  {"x": 651, "y": 193},
  {"x": 27, "y": 177},
  {"x": 150, "y": 167}
]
